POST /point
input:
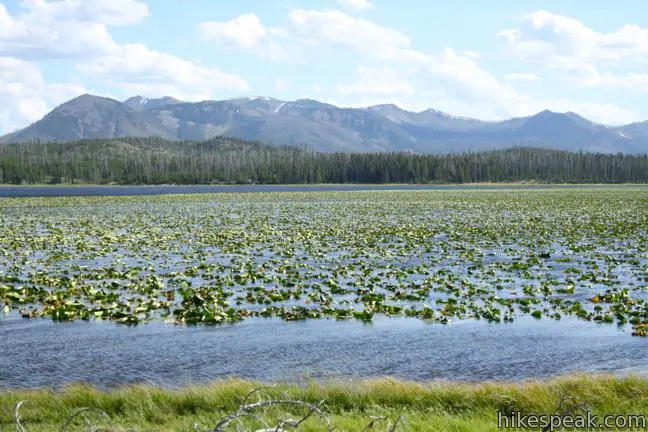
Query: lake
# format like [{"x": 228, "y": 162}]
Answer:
[
  {"x": 461, "y": 284},
  {"x": 42, "y": 353},
  {"x": 92, "y": 190}
]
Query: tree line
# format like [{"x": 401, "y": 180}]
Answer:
[{"x": 228, "y": 160}]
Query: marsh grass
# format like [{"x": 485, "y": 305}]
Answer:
[{"x": 435, "y": 406}]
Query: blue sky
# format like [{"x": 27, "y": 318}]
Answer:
[{"x": 468, "y": 58}]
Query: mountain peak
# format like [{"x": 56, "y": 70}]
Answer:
[
  {"x": 84, "y": 103},
  {"x": 393, "y": 112},
  {"x": 565, "y": 117},
  {"x": 88, "y": 117},
  {"x": 548, "y": 114},
  {"x": 322, "y": 126},
  {"x": 141, "y": 103},
  {"x": 87, "y": 97},
  {"x": 261, "y": 98},
  {"x": 434, "y": 112},
  {"x": 136, "y": 100},
  {"x": 384, "y": 107},
  {"x": 306, "y": 101}
]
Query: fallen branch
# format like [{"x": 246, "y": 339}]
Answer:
[
  {"x": 81, "y": 412},
  {"x": 246, "y": 409},
  {"x": 391, "y": 427},
  {"x": 19, "y": 427}
]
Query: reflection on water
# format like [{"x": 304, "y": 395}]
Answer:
[{"x": 41, "y": 353}]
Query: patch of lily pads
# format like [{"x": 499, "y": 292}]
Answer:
[{"x": 433, "y": 255}]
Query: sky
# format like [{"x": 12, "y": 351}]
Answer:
[{"x": 486, "y": 60}]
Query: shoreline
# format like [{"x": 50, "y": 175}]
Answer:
[
  {"x": 335, "y": 383},
  {"x": 502, "y": 184},
  {"x": 437, "y": 405}
]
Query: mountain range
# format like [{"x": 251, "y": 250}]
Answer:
[{"x": 323, "y": 127}]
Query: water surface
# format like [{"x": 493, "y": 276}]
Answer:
[
  {"x": 53, "y": 191},
  {"x": 339, "y": 251},
  {"x": 42, "y": 353}
]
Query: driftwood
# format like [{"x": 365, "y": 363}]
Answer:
[{"x": 246, "y": 410}]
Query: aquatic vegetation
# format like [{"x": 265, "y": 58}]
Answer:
[
  {"x": 640, "y": 329},
  {"x": 438, "y": 256}
]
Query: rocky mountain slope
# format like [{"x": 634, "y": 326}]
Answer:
[{"x": 324, "y": 127}]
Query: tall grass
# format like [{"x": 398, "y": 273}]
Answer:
[{"x": 436, "y": 406}]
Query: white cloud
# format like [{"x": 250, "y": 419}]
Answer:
[
  {"x": 34, "y": 37},
  {"x": 311, "y": 28},
  {"x": 450, "y": 80},
  {"x": 109, "y": 12},
  {"x": 588, "y": 75},
  {"x": 78, "y": 29},
  {"x": 22, "y": 101},
  {"x": 468, "y": 87},
  {"x": 334, "y": 27},
  {"x": 459, "y": 70},
  {"x": 68, "y": 28},
  {"x": 543, "y": 34},
  {"x": 632, "y": 81},
  {"x": 358, "y": 5},
  {"x": 471, "y": 90},
  {"x": 247, "y": 33},
  {"x": 567, "y": 44},
  {"x": 522, "y": 76},
  {"x": 140, "y": 70},
  {"x": 467, "y": 79},
  {"x": 378, "y": 82},
  {"x": 25, "y": 95}
]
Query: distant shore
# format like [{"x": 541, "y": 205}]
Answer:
[
  {"x": 88, "y": 190},
  {"x": 494, "y": 184}
]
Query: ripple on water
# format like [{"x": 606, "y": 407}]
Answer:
[{"x": 42, "y": 353}]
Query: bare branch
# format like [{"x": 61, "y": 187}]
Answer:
[
  {"x": 254, "y": 391},
  {"x": 399, "y": 419},
  {"x": 295, "y": 424},
  {"x": 246, "y": 408},
  {"x": 236, "y": 416},
  {"x": 19, "y": 427},
  {"x": 390, "y": 427},
  {"x": 373, "y": 422},
  {"x": 81, "y": 412}
]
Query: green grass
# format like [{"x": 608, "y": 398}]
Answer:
[{"x": 437, "y": 406}]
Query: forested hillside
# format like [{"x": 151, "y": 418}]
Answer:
[{"x": 226, "y": 160}]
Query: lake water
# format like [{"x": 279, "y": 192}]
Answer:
[
  {"x": 53, "y": 191},
  {"x": 108, "y": 354},
  {"x": 478, "y": 248}
]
